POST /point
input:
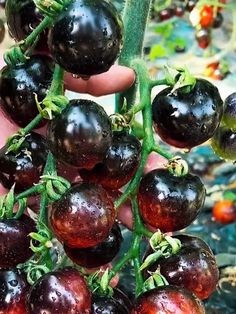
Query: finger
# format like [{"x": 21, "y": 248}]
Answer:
[{"x": 117, "y": 79}]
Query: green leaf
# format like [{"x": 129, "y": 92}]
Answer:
[{"x": 157, "y": 51}]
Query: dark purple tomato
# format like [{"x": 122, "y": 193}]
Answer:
[
  {"x": 83, "y": 217},
  {"x": 191, "y": 268},
  {"x": 168, "y": 202},
  {"x": 87, "y": 37},
  {"x": 14, "y": 288},
  {"x": 81, "y": 135},
  {"x": 192, "y": 241},
  {"x": 224, "y": 143},
  {"x": 119, "y": 165},
  {"x": 179, "y": 10},
  {"x": 186, "y": 120},
  {"x": 165, "y": 14},
  {"x": 100, "y": 254},
  {"x": 15, "y": 241},
  {"x": 203, "y": 37},
  {"x": 118, "y": 303},
  {"x": 168, "y": 300},
  {"x": 218, "y": 20},
  {"x": 2, "y": 31},
  {"x": 25, "y": 167},
  {"x": 63, "y": 291},
  {"x": 190, "y": 4},
  {"x": 22, "y": 18},
  {"x": 18, "y": 86},
  {"x": 229, "y": 116}
]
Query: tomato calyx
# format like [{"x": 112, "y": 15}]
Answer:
[{"x": 178, "y": 166}]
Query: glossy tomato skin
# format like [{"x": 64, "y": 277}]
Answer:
[
  {"x": 229, "y": 116},
  {"x": 25, "y": 167},
  {"x": 168, "y": 300},
  {"x": 14, "y": 288},
  {"x": 203, "y": 37},
  {"x": 224, "y": 212},
  {"x": 118, "y": 303},
  {"x": 193, "y": 269},
  {"x": 63, "y": 291},
  {"x": 18, "y": 86},
  {"x": 15, "y": 241},
  {"x": 86, "y": 39},
  {"x": 192, "y": 241},
  {"x": 81, "y": 135},
  {"x": 168, "y": 202},
  {"x": 224, "y": 143},
  {"x": 186, "y": 120},
  {"x": 119, "y": 165},
  {"x": 100, "y": 254},
  {"x": 83, "y": 217}
]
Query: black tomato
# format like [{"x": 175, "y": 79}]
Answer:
[
  {"x": 191, "y": 268},
  {"x": 63, "y": 291},
  {"x": 229, "y": 116},
  {"x": 87, "y": 37},
  {"x": 224, "y": 143},
  {"x": 192, "y": 241},
  {"x": 120, "y": 163},
  {"x": 25, "y": 167},
  {"x": 22, "y": 18},
  {"x": 168, "y": 300},
  {"x": 165, "y": 14},
  {"x": 18, "y": 86},
  {"x": 118, "y": 303},
  {"x": 14, "y": 288},
  {"x": 203, "y": 37},
  {"x": 100, "y": 254},
  {"x": 186, "y": 120},
  {"x": 218, "y": 20},
  {"x": 81, "y": 135},
  {"x": 168, "y": 202},
  {"x": 15, "y": 241},
  {"x": 190, "y": 5},
  {"x": 83, "y": 217}
]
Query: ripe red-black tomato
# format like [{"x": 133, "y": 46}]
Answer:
[
  {"x": 22, "y": 18},
  {"x": 203, "y": 37},
  {"x": 87, "y": 37},
  {"x": 224, "y": 212},
  {"x": 229, "y": 116},
  {"x": 190, "y": 5},
  {"x": 118, "y": 303},
  {"x": 14, "y": 288},
  {"x": 168, "y": 202},
  {"x": 218, "y": 20},
  {"x": 81, "y": 135},
  {"x": 100, "y": 254},
  {"x": 83, "y": 217},
  {"x": 15, "y": 241},
  {"x": 63, "y": 291},
  {"x": 18, "y": 86},
  {"x": 224, "y": 143},
  {"x": 119, "y": 165},
  {"x": 25, "y": 167},
  {"x": 191, "y": 268},
  {"x": 186, "y": 120},
  {"x": 192, "y": 241},
  {"x": 168, "y": 300}
]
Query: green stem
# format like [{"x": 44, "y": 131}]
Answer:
[
  {"x": 33, "y": 190},
  {"x": 31, "y": 125},
  {"x": 43, "y": 215},
  {"x": 57, "y": 86}
]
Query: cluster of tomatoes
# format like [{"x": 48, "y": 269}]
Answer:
[{"x": 85, "y": 40}]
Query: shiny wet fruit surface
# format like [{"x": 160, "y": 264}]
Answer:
[
  {"x": 86, "y": 39},
  {"x": 224, "y": 143}
]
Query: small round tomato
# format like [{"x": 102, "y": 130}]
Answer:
[
  {"x": 119, "y": 165},
  {"x": 25, "y": 167},
  {"x": 83, "y": 217},
  {"x": 168, "y": 300},
  {"x": 229, "y": 116},
  {"x": 218, "y": 20},
  {"x": 100, "y": 254},
  {"x": 203, "y": 37},
  {"x": 15, "y": 241},
  {"x": 86, "y": 38},
  {"x": 118, "y": 303},
  {"x": 14, "y": 288},
  {"x": 186, "y": 120},
  {"x": 20, "y": 84},
  {"x": 81, "y": 135},
  {"x": 206, "y": 16},
  {"x": 63, "y": 291},
  {"x": 224, "y": 212},
  {"x": 168, "y": 202},
  {"x": 224, "y": 143}
]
